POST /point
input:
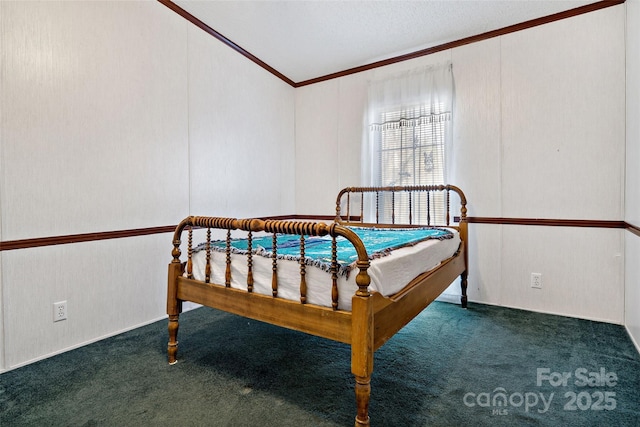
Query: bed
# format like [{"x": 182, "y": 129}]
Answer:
[{"x": 328, "y": 278}]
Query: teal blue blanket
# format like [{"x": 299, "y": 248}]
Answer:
[{"x": 379, "y": 242}]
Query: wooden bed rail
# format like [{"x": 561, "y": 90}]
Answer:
[{"x": 411, "y": 191}]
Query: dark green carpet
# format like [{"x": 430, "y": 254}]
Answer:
[{"x": 237, "y": 372}]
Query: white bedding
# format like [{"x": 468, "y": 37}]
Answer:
[{"x": 389, "y": 274}]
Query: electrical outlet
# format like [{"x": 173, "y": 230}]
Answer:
[
  {"x": 59, "y": 311},
  {"x": 536, "y": 280}
]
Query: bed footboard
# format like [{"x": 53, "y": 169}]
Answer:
[{"x": 356, "y": 327}]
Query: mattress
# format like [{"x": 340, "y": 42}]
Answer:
[{"x": 389, "y": 274}]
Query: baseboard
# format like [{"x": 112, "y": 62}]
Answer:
[
  {"x": 451, "y": 298},
  {"x": 82, "y": 344},
  {"x": 553, "y": 313},
  {"x": 633, "y": 340},
  {"x": 188, "y": 305}
]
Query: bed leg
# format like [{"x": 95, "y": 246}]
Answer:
[
  {"x": 363, "y": 393},
  {"x": 172, "y": 348},
  {"x": 174, "y": 308},
  {"x": 463, "y": 287},
  {"x": 362, "y": 334}
]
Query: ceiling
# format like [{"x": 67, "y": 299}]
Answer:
[{"x": 304, "y": 40}]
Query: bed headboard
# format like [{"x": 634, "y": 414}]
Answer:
[{"x": 420, "y": 205}]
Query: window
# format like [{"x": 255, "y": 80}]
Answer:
[
  {"x": 412, "y": 152},
  {"x": 409, "y": 124}
]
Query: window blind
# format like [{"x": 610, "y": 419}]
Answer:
[{"x": 411, "y": 151}]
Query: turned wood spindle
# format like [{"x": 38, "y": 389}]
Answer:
[
  {"x": 274, "y": 266},
  {"x": 172, "y": 346},
  {"x": 447, "y": 197},
  {"x": 207, "y": 268},
  {"x": 362, "y": 279},
  {"x": 463, "y": 288},
  {"x": 249, "y": 262},
  {"x": 410, "y": 209},
  {"x": 303, "y": 281},
  {"x": 428, "y": 207},
  {"x": 190, "y": 253},
  {"x": 227, "y": 272},
  {"x": 334, "y": 273},
  {"x": 363, "y": 393},
  {"x": 393, "y": 207}
]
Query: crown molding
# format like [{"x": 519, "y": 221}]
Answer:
[
  {"x": 198, "y": 23},
  {"x": 468, "y": 40},
  {"x": 428, "y": 51}
]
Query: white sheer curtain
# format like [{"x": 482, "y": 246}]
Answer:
[{"x": 416, "y": 97}]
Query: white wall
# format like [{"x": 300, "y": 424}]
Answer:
[
  {"x": 84, "y": 131},
  {"x": 94, "y": 138},
  {"x": 632, "y": 211},
  {"x": 241, "y": 134},
  {"x": 539, "y": 132},
  {"x": 118, "y": 115},
  {"x": 562, "y": 156}
]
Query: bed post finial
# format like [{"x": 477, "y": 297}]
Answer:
[
  {"x": 177, "y": 239},
  {"x": 362, "y": 279},
  {"x": 175, "y": 253}
]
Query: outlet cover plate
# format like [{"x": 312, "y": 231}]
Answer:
[
  {"x": 536, "y": 280},
  {"x": 59, "y": 311}
]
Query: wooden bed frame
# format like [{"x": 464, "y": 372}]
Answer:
[{"x": 373, "y": 319}]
